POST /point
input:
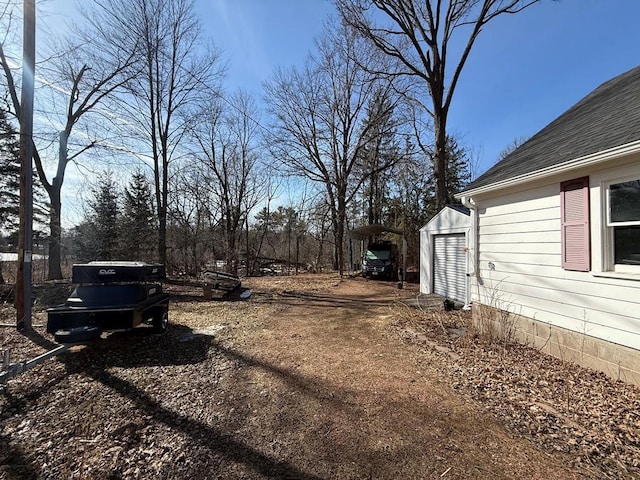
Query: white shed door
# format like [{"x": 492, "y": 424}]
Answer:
[{"x": 449, "y": 266}]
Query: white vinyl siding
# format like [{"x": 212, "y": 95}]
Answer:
[
  {"x": 520, "y": 265},
  {"x": 449, "y": 266}
]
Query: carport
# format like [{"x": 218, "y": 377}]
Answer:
[{"x": 373, "y": 230}]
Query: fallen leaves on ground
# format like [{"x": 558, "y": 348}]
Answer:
[
  {"x": 186, "y": 404},
  {"x": 559, "y": 405}
]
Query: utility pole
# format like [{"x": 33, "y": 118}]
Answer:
[{"x": 25, "y": 234}]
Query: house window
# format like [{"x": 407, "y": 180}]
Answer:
[{"x": 623, "y": 224}]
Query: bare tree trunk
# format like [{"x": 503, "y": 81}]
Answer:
[
  {"x": 263, "y": 235},
  {"x": 370, "y": 206},
  {"x": 55, "y": 218},
  {"x": 440, "y": 164},
  {"x": 338, "y": 220},
  {"x": 247, "y": 260},
  {"x": 340, "y": 244},
  {"x": 289, "y": 245},
  {"x": 162, "y": 209},
  {"x": 162, "y": 233},
  {"x": 321, "y": 242},
  {"x": 55, "y": 240}
]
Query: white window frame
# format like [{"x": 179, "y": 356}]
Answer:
[{"x": 608, "y": 229}]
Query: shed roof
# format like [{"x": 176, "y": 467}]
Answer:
[
  {"x": 452, "y": 216},
  {"x": 459, "y": 208},
  {"x": 606, "y": 118}
]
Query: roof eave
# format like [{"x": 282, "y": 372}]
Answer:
[{"x": 582, "y": 162}]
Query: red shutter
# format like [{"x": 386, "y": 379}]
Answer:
[{"x": 574, "y": 213}]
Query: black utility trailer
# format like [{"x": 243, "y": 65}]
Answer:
[{"x": 110, "y": 296}]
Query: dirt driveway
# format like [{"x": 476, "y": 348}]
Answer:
[
  {"x": 303, "y": 381},
  {"x": 352, "y": 401}
]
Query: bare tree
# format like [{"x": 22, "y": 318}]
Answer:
[
  {"x": 191, "y": 219},
  {"x": 419, "y": 34},
  {"x": 88, "y": 88},
  {"x": 227, "y": 139},
  {"x": 83, "y": 78},
  {"x": 322, "y": 126},
  {"x": 319, "y": 226},
  {"x": 381, "y": 148},
  {"x": 177, "y": 73},
  {"x": 262, "y": 225},
  {"x": 515, "y": 143}
]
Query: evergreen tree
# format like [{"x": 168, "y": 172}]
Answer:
[
  {"x": 10, "y": 181},
  {"x": 9, "y": 174},
  {"x": 138, "y": 224},
  {"x": 97, "y": 236},
  {"x": 458, "y": 172},
  {"x": 84, "y": 242},
  {"x": 414, "y": 202}
]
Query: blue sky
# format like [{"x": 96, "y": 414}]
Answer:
[
  {"x": 524, "y": 71},
  {"x": 257, "y": 35}
]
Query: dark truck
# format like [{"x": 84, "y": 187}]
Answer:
[
  {"x": 110, "y": 296},
  {"x": 380, "y": 260}
]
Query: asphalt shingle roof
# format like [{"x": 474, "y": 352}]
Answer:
[
  {"x": 608, "y": 117},
  {"x": 459, "y": 208}
]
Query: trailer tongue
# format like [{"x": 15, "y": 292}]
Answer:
[{"x": 11, "y": 370}]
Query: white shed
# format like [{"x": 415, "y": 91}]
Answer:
[{"x": 444, "y": 246}]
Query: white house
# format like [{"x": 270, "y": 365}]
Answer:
[
  {"x": 444, "y": 259},
  {"x": 556, "y": 233}
]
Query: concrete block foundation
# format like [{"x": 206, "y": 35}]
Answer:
[{"x": 617, "y": 361}]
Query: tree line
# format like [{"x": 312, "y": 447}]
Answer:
[{"x": 355, "y": 135}]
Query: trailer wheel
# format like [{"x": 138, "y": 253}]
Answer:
[
  {"x": 161, "y": 321},
  {"x": 77, "y": 334}
]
